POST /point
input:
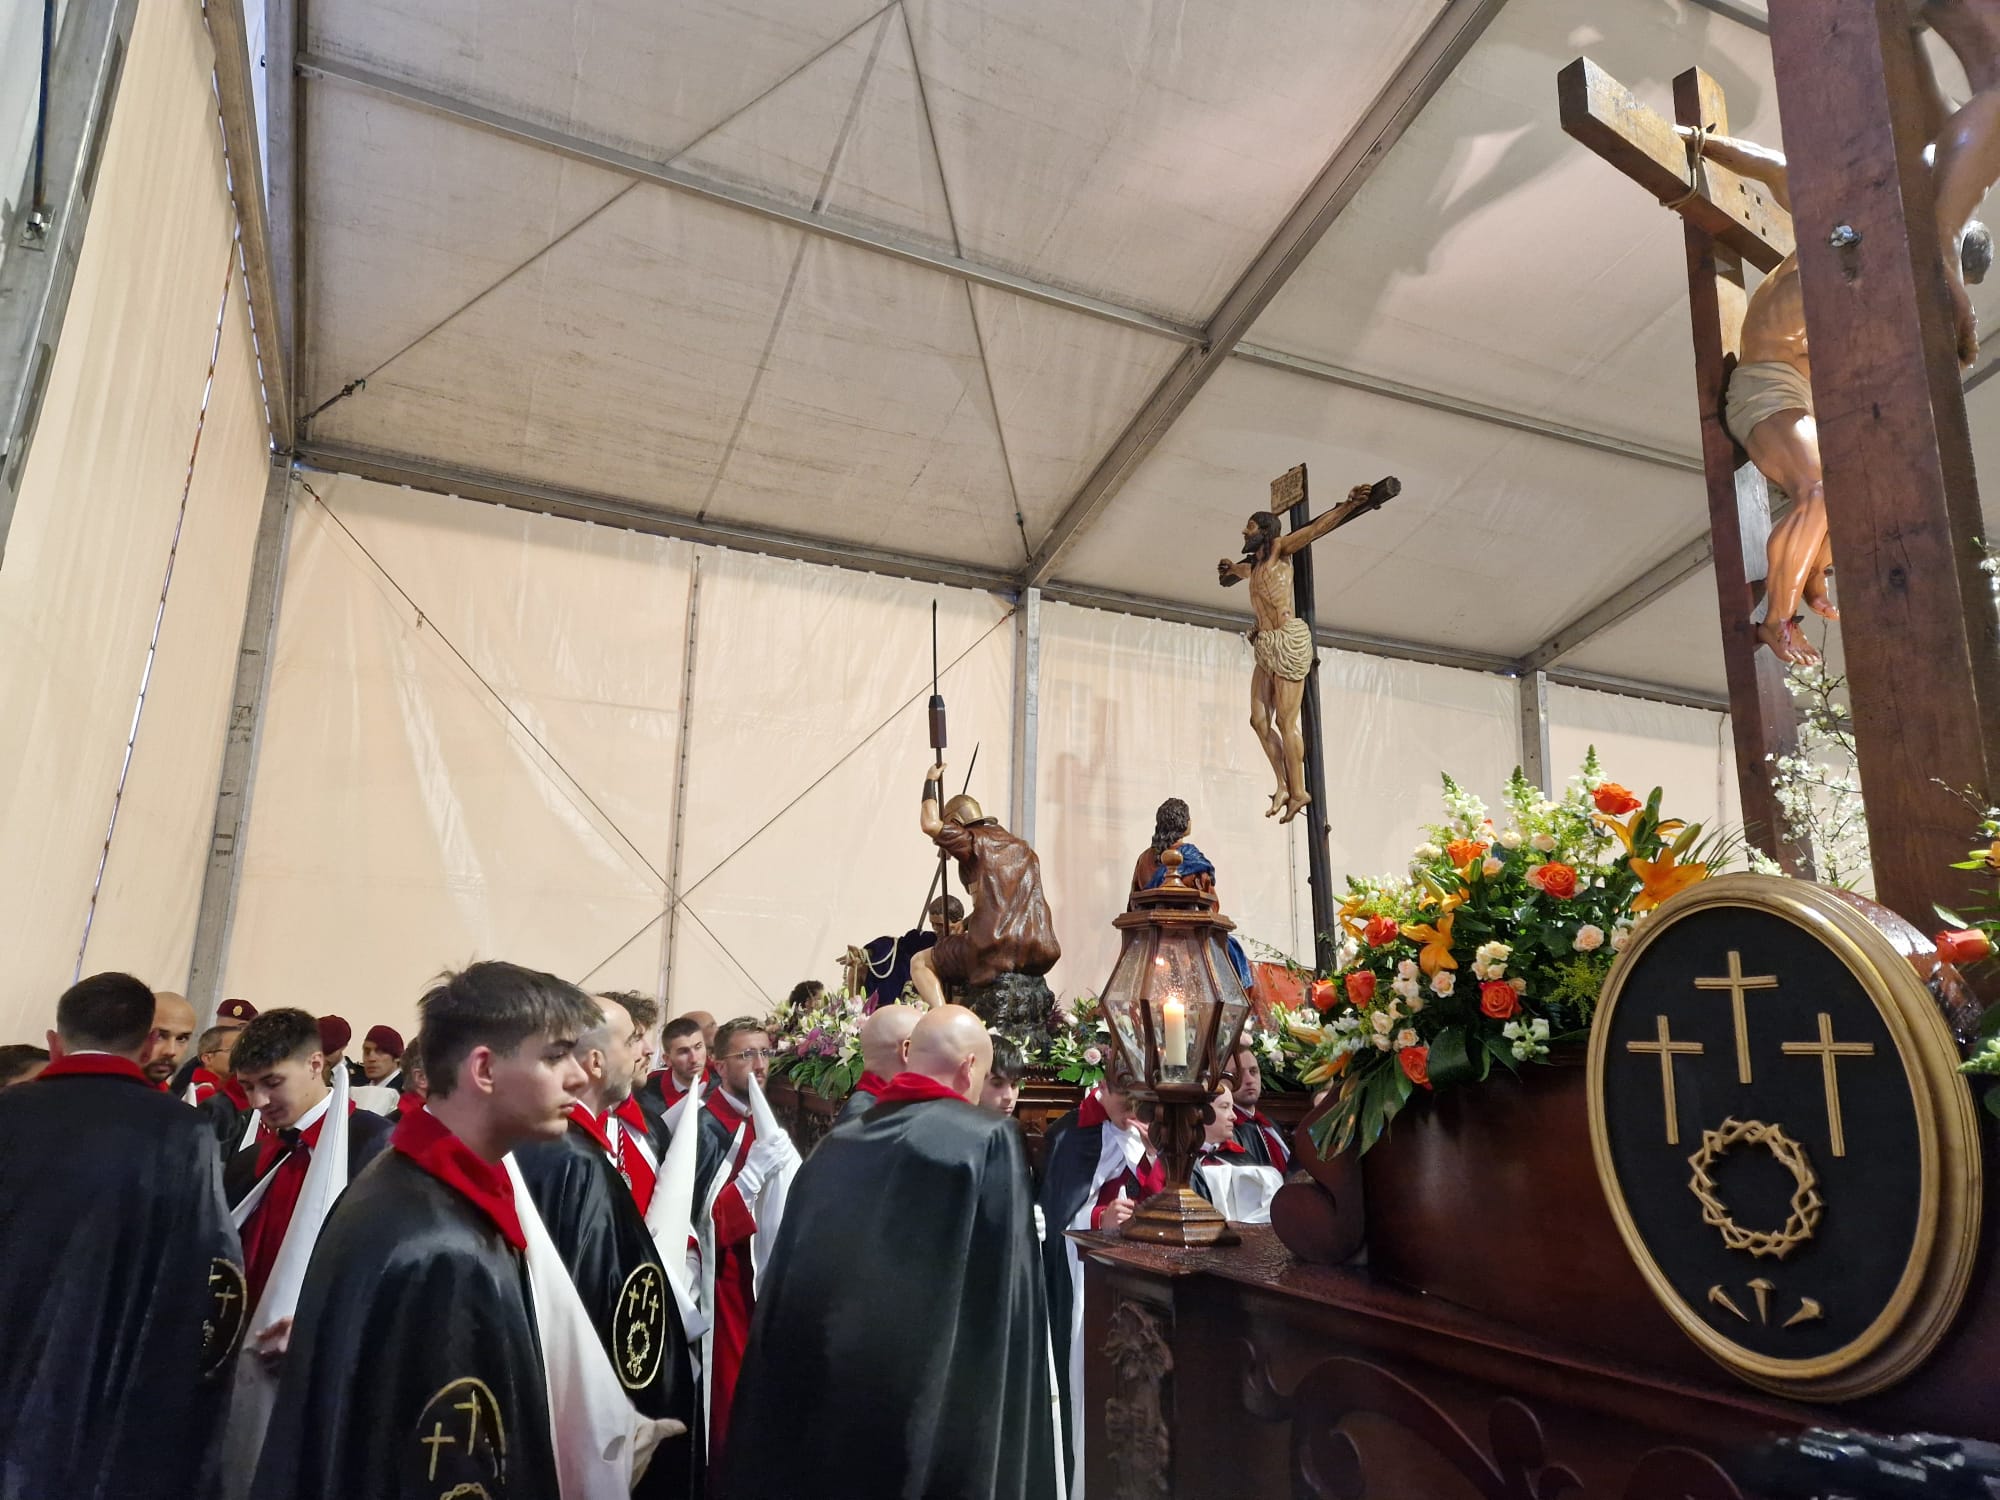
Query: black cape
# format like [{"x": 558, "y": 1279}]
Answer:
[
  {"x": 589, "y": 1213},
  {"x": 928, "y": 1386},
  {"x": 367, "y": 1136},
  {"x": 121, "y": 1292},
  {"x": 854, "y": 1106},
  {"x": 414, "y": 1369},
  {"x": 1069, "y": 1161}
]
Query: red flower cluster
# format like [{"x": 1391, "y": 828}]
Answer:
[
  {"x": 1416, "y": 1063},
  {"x": 1554, "y": 879},
  {"x": 1498, "y": 999},
  {"x": 1614, "y": 800},
  {"x": 1380, "y": 931},
  {"x": 1360, "y": 987}
]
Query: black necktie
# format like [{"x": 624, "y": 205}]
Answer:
[{"x": 292, "y": 1143}]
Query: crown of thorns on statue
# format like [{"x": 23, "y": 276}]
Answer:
[{"x": 1807, "y": 1206}]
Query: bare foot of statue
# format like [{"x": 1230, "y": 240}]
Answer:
[
  {"x": 1818, "y": 600},
  {"x": 1296, "y": 805},
  {"x": 1277, "y": 803},
  {"x": 1788, "y": 642}
]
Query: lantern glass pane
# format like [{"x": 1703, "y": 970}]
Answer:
[
  {"x": 1181, "y": 1000},
  {"x": 1235, "y": 1002},
  {"x": 1119, "y": 1004}
]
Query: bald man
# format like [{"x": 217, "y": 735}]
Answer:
[
  {"x": 167, "y": 1042},
  {"x": 935, "y": 1385},
  {"x": 885, "y": 1046}
]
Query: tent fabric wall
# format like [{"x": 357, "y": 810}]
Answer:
[
  {"x": 100, "y": 494},
  {"x": 1686, "y": 751}
]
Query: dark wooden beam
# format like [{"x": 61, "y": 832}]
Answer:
[
  {"x": 1604, "y": 115},
  {"x": 1918, "y": 622},
  {"x": 1762, "y": 718}
]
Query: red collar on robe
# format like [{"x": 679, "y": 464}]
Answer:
[
  {"x": 1223, "y": 1148},
  {"x": 906, "y": 1088},
  {"x": 95, "y": 1064},
  {"x": 1091, "y": 1111},
  {"x": 229, "y": 1088},
  {"x": 629, "y": 1111},
  {"x": 430, "y": 1143},
  {"x": 717, "y": 1103},
  {"x": 599, "y": 1130},
  {"x": 269, "y": 1140},
  {"x": 874, "y": 1084}
]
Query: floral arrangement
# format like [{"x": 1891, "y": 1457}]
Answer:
[
  {"x": 818, "y": 1045},
  {"x": 1079, "y": 1045},
  {"x": 1283, "y": 1055},
  {"x": 1973, "y": 939},
  {"x": 1493, "y": 947},
  {"x": 1819, "y": 787}
]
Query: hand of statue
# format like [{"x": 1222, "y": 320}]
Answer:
[
  {"x": 1226, "y": 574},
  {"x": 937, "y": 772},
  {"x": 1359, "y": 494}
]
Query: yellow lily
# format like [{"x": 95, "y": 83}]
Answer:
[
  {"x": 1991, "y": 856},
  {"x": 1325, "y": 1072},
  {"x": 1661, "y": 878},
  {"x": 1625, "y": 832},
  {"x": 1349, "y": 909},
  {"x": 1436, "y": 953}
]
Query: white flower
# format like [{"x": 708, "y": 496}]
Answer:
[
  {"x": 1092, "y": 1056},
  {"x": 1408, "y": 969},
  {"x": 1620, "y": 936},
  {"x": 1416, "y": 1004},
  {"x": 1511, "y": 839},
  {"x": 1589, "y": 938},
  {"x": 1543, "y": 843},
  {"x": 1383, "y": 1022},
  {"x": 1406, "y": 988},
  {"x": 1492, "y": 867},
  {"x": 1348, "y": 1022},
  {"x": 1382, "y": 1044},
  {"x": 1539, "y": 1028},
  {"x": 1511, "y": 1030},
  {"x": 1493, "y": 953},
  {"x": 1428, "y": 851},
  {"x": 1520, "y": 986},
  {"x": 1443, "y": 982},
  {"x": 1407, "y": 1037}
]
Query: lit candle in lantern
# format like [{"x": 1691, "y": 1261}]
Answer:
[{"x": 1173, "y": 1045}]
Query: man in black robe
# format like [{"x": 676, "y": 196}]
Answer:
[
  {"x": 588, "y": 1209},
  {"x": 121, "y": 1280},
  {"x": 415, "y": 1368},
  {"x": 955, "y": 1403}
]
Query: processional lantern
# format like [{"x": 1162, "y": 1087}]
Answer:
[{"x": 1176, "y": 1010}]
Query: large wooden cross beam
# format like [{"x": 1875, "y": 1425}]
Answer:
[{"x": 1728, "y": 220}]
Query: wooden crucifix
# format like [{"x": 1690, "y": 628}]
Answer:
[{"x": 1727, "y": 220}]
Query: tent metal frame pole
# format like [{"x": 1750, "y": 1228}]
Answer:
[
  {"x": 1027, "y": 712},
  {"x": 1534, "y": 690},
  {"x": 602, "y": 511},
  {"x": 1395, "y": 390},
  {"x": 234, "y": 94},
  {"x": 284, "y": 165},
  {"x": 1737, "y": 10},
  {"x": 222, "y": 878},
  {"x": 670, "y": 937},
  {"x": 1421, "y": 74},
  {"x": 39, "y": 258},
  {"x": 676, "y": 179}
]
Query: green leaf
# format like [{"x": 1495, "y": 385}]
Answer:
[
  {"x": 1949, "y": 917},
  {"x": 1989, "y": 1022},
  {"x": 1451, "y": 1061}
]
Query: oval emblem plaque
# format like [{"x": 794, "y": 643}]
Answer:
[{"x": 1783, "y": 1136}]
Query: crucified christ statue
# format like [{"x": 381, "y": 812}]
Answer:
[
  {"x": 1769, "y": 410},
  {"x": 1282, "y": 641}
]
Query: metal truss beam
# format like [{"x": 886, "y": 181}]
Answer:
[
  {"x": 1422, "y": 73},
  {"x": 676, "y": 179},
  {"x": 237, "y": 98},
  {"x": 38, "y": 259}
]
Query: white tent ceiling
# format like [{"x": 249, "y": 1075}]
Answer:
[{"x": 898, "y": 277}]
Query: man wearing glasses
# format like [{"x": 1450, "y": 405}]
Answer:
[{"x": 741, "y": 1176}]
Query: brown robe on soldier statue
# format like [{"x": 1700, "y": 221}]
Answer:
[{"x": 1008, "y": 930}]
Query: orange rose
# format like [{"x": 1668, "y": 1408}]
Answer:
[
  {"x": 1463, "y": 852},
  {"x": 1554, "y": 879},
  {"x": 1360, "y": 987},
  {"x": 1416, "y": 1063},
  {"x": 1325, "y": 994},
  {"x": 1380, "y": 932},
  {"x": 1614, "y": 801},
  {"x": 1965, "y": 947},
  {"x": 1498, "y": 999}
]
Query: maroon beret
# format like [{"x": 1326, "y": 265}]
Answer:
[
  {"x": 386, "y": 1039},
  {"x": 334, "y": 1034},
  {"x": 240, "y": 1011}
]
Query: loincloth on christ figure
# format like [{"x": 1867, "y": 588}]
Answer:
[
  {"x": 1286, "y": 652},
  {"x": 1759, "y": 391}
]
